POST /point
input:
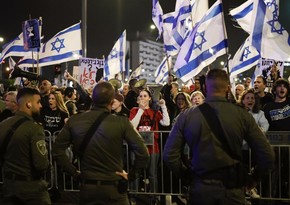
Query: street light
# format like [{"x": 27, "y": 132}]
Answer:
[{"x": 1, "y": 39}]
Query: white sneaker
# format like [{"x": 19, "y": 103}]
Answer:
[{"x": 254, "y": 194}]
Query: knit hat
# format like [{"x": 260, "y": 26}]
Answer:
[{"x": 119, "y": 97}]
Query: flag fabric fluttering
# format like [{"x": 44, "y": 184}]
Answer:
[
  {"x": 157, "y": 14},
  {"x": 243, "y": 14},
  {"x": 137, "y": 72},
  {"x": 245, "y": 58},
  {"x": 162, "y": 72},
  {"x": 65, "y": 46},
  {"x": 115, "y": 62},
  {"x": 204, "y": 44},
  {"x": 11, "y": 67},
  {"x": 176, "y": 26},
  {"x": 268, "y": 36},
  {"x": 14, "y": 48}
]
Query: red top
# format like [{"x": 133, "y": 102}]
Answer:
[{"x": 147, "y": 123}]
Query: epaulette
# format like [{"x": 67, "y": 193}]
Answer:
[{"x": 38, "y": 123}]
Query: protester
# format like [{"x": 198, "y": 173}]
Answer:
[
  {"x": 45, "y": 89},
  {"x": 118, "y": 106},
  {"x": 101, "y": 157},
  {"x": 70, "y": 96},
  {"x": 260, "y": 86},
  {"x": 216, "y": 171},
  {"x": 197, "y": 98},
  {"x": 144, "y": 118},
  {"x": 239, "y": 89},
  {"x": 10, "y": 105},
  {"x": 278, "y": 116},
  {"x": 25, "y": 157},
  {"x": 131, "y": 97},
  {"x": 250, "y": 101},
  {"x": 54, "y": 117}
]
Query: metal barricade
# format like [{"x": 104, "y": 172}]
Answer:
[{"x": 274, "y": 187}]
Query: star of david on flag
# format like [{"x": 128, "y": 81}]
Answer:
[
  {"x": 243, "y": 14},
  {"x": 115, "y": 62},
  {"x": 65, "y": 46},
  {"x": 210, "y": 36},
  {"x": 267, "y": 34},
  {"x": 245, "y": 58},
  {"x": 57, "y": 45}
]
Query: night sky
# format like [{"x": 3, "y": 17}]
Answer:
[{"x": 106, "y": 19}]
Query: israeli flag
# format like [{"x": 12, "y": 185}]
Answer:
[
  {"x": 245, "y": 58},
  {"x": 65, "y": 46},
  {"x": 268, "y": 36},
  {"x": 178, "y": 24},
  {"x": 157, "y": 14},
  {"x": 115, "y": 62},
  {"x": 14, "y": 48},
  {"x": 243, "y": 14},
  {"x": 205, "y": 43},
  {"x": 172, "y": 42},
  {"x": 161, "y": 73}
]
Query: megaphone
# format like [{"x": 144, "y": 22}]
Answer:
[
  {"x": 17, "y": 72},
  {"x": 155, "y": 94},
  {"x": 140, "y": 84},
  {"x": 117, "y": 84}
]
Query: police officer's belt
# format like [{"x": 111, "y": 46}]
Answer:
[
  {"x": 100, "y": 182},
  {"x": 234, "y": 176},
  {"x": 17, "y": 177}
]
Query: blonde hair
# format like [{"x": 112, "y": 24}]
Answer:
[
  {"x": 195, "y": 93},
  {"x": 59, "y": 101}
]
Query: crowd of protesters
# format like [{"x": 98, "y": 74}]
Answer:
[{"x": 271, "y": 111}]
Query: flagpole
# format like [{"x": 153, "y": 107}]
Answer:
[
  {"x": 227, "y": 48},
  {"x": 84, "y": 27}
]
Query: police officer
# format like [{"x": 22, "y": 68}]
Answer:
[
  {"x": 101, "y": 163},
  {"x": 25, "y": 157},
  {"x": 217, "y": 172}
]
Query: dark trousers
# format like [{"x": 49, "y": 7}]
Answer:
[
  {"x": 25, "y": 192},
  {"x": 91, "y": 194},
  {"x": 213, "y": 192}
]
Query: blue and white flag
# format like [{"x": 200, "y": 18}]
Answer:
[
  {"x": 115, "y": 62},
  {"x": 31, "y": 34},
  {"x": 171, "y": 44},
  {"x": 176, "y": 26},
  {"x": 157, "y": 14},
  {"x": 161, "y": 73},
  {"x": 205, "y": 43},
  {"x": 245, "y": 58},
  {"x": 268, "y": 36},
  {"x": 137, "y": 72},
  {"x": 243, "y": 14},
  {"x": 63, "y": 47},
  {"x": 14, "y": 48}
]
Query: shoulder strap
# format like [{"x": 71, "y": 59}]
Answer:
[
  {"x": 9, "y": 135},
  {"x": 215, "y": 125},
  {"x": 90, "y": 133}
]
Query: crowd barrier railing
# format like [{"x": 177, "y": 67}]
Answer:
[{"x": 275, "y": 186}]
